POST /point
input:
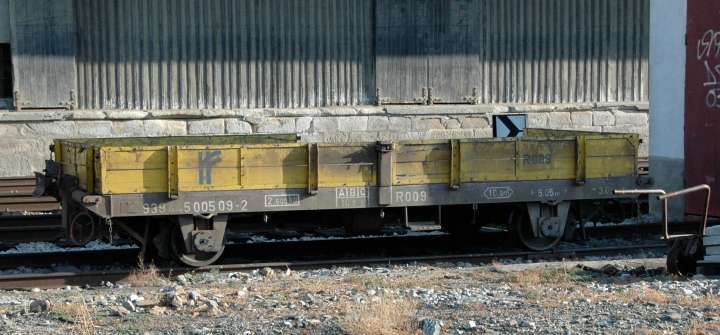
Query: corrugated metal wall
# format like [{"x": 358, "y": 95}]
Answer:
[
  {"x": 178, "y": 54},
  {"x": 513, "y": 51},
  {"x": 550, "y": 51}
]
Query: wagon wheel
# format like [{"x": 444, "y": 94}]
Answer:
[
  {"x": 193, "y": 258},
  {"x": 683, "y": 256},
  {"x": 81, "y": 229},
  {"x": 520, "y": 222}
]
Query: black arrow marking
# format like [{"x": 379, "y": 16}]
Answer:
[{"x": 512, "y": 128}]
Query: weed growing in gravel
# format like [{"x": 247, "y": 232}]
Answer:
[
  {"x": 136, "y": 323},
  {"x": 76, "y": 313},
  {"x": 709, "y": 300},
  {"x": 146, "y": 275},
  {"x": 539, "y": 276},
  {"x": 650, "y": 295},
  {"x": 429, "y": 280},
  {"x": 381, "y": 317},
  {"x": 703, "y": 328}
]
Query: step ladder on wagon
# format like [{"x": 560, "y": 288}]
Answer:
[{"x": 688, "y": 254}]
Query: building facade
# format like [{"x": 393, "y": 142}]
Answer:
[{"x": 330, "y": 70}]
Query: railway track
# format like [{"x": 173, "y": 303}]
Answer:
[
  {"x": 244, "y": 249},
  {"x": 29, "y": 228},
  {"x": 25, "y": 218},
  {"x": 16, "y": 196},
  {"x": 94, "y": 278}
]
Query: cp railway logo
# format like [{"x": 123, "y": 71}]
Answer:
[{"x": 206, "y": 161}]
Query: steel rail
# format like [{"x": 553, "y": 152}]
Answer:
[
  {"x": 122, "y": 256},
  {"x": 80, "y": 257},
  {"x": 29, "y": 228},
  {"x": 61, "y": 279}
]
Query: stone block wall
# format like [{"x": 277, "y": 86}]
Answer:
[{"x": 25, "y": 136}]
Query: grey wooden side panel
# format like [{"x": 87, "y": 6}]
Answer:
[
  {"x": 402, "y": 37},
  {"x": 453, "y": 49},
  {"x": 43, "y": 52},
  {"x": 5, "y": 23}
]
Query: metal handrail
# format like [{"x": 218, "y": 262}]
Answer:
[{"x": 664, "y": 196}]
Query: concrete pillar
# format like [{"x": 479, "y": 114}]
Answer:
[{"x": 668, "y": 23}]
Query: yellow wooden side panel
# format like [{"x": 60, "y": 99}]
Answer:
[
  {"x": 487, "y": 161},
  {"x": 215, "y": 140},
  {"x": 422, "y": 163},
  {"x": 68, "y": 160},
  {"x": 267, "y": 166},
  {"x": 610, "y": 157},
  {"x": 274, "y": 166},
  {"x": 546, "y": 159},
  {"x": 133, "y": 171},
  {"x": 556, "y": 133},
  {"x": 136, "y": 159},
  {"x": 347, "y": 165},
  {"x": 209, "y": 169},
  {"x": 135, "y": 181},
  {"x": 80, "y": 167},
  {"x": 77, "y": 160},
  {"x": 58, "y": 150}
]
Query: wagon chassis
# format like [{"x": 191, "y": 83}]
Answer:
[
  {"x": 202, "y": 216},
  {"x": 360, "y": 180}
]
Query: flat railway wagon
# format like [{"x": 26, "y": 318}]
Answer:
[{"x": 177, "y": 195}]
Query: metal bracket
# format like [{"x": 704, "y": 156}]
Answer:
[
  {"x": 17, "y": 102},
  {"x": 473, "y": 99},
  {"x": 173, "y": 176},
  {"x": 385, "y": 171},
  {"x": 384, "y": 146},
  {"x": 379, "y": 100},
  {"x": 423, "y": 99},
  {"x": 455, "y": 166},
  {"x": 70, "y": 104},
  {"x": 580, "y": 164},
  {"x": 432, "y": 100},
  {"x": 313, "y": 182}
]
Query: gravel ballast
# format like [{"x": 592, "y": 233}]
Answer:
[{"x": 602, "y": 296}]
